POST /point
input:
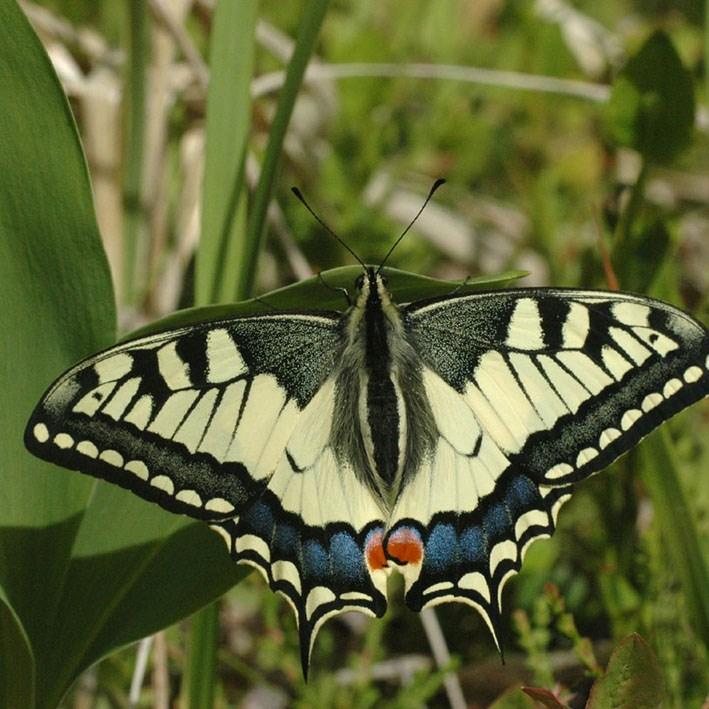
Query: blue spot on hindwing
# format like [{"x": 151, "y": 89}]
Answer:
[
  {"x": 441, "y": 547},
  {"x": 285, "y": 541},
  {"x": 473, "y": 547},
  {"x": 315, "y": 559},
  {"x": 260, "y": 521},
  {"x": 521, "y": 495},
  {"x": 347, "y": 558},
  {"x": 496, "y": 523}
]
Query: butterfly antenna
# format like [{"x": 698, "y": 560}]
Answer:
[
  {"x": 299, "y": 195},
  {"x": 440, "y": 181}
]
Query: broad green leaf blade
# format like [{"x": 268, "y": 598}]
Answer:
[
  {"x": 633, "y": 678},
  {"x": 651, "y": 108},
  {"x": 679, "y": 530},
  {"x": 310, "y": 23},
  {"x": 321, "y": 293},
  {"x": 221, "y": 248},
  {"x": 85, "y": 567},
  {"x": 135, "y": 569},
  {"x": 51, "y": 265},
  {"x": 17, "y": 679}
]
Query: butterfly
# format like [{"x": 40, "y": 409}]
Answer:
[{"x": 438, "y": 437}]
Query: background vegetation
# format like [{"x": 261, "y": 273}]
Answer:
[{"x": 574, "y": 140}]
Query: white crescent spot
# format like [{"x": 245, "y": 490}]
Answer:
[
  {"x": 111, "y": 457},
  {"x": 219, "y": 504},
  {"x": 189, "y": 497},
  {"x": 162, "y": 482},
  {"x": 138, "y": 468},
  {"x": 629, "y": 418},
  {"x": 87, "y": 448}
]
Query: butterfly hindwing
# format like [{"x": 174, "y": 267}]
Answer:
[
  {"x": 466, "y": 518},
  {"x": 315, "y": 531},
  {"x": 531, "y": 391}
]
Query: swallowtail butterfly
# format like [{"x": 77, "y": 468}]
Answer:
[{"x": 438, "y": 437}]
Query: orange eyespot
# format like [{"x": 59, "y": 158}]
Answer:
[
  {"x": 404, "y": 546},
  {"x": 376, "y": 559}
]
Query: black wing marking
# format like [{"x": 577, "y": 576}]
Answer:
[
  {"x": 183, "y": 417},
  {"x": 564, "y": 381}
]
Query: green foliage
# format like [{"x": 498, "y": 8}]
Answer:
[
  {"x": 325, "y": 291},
  {"x": 221, "y": 270},
  {"x": 680, "y": 530},
  {"x": 86, "y": 567},
  {"x": 652, "y": 105},
  {"x": 312, "y": 17}
]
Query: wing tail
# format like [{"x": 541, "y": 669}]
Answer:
[
  {"x": 321, "y": 571},
  {"x": 470, "y": 556}
]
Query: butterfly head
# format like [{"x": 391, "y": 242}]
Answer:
[{"x": 371, "y": 288}]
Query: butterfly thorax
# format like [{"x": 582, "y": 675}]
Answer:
[{"x": 379, "y": 385}]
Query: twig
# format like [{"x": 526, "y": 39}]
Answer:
[
  {"x": 161, "y": 678},
  {"x": 141, "y": 665},
  {"x": 268, "y": 83},
  {"x": 399, "y": 669},
  {"x": 442, "y": 656},
  {"x": 183, "y": 41}
]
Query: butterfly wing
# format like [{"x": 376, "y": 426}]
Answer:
[
  {"x": 230, "y": 422},
  {"x": 531, "y": 391}
]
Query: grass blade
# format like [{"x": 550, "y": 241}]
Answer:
[
  {"x": 228, "y": 112},
  {"x": 201, "y": 672},
  {"x": 679, "y": 530},
  {"x": 311, "y": 21},
  {"x": 134, "y": 126}
]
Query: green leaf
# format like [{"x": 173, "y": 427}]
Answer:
[
  {"x": 633, "y": 678},
  {"x": 201, "y": 673},
  {"x": 639, "y": 257},
  {"x": 85, "y": 567},
  {"x": 222, "y": 244},
  {"x": 17, "y": 660},
  {"x": 51, "y": 265},
  {"x": 135, "y": 569},
  {"x": 513, "y": 698},
  {"x": 322, "y": 293},
  {"x": 134, "y": 126},
  {"x": 651, "y": 108}
]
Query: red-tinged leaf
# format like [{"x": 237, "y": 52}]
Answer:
[
  {"x": 544, "y": 696},
  {"x": 633, "y": 678}
]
